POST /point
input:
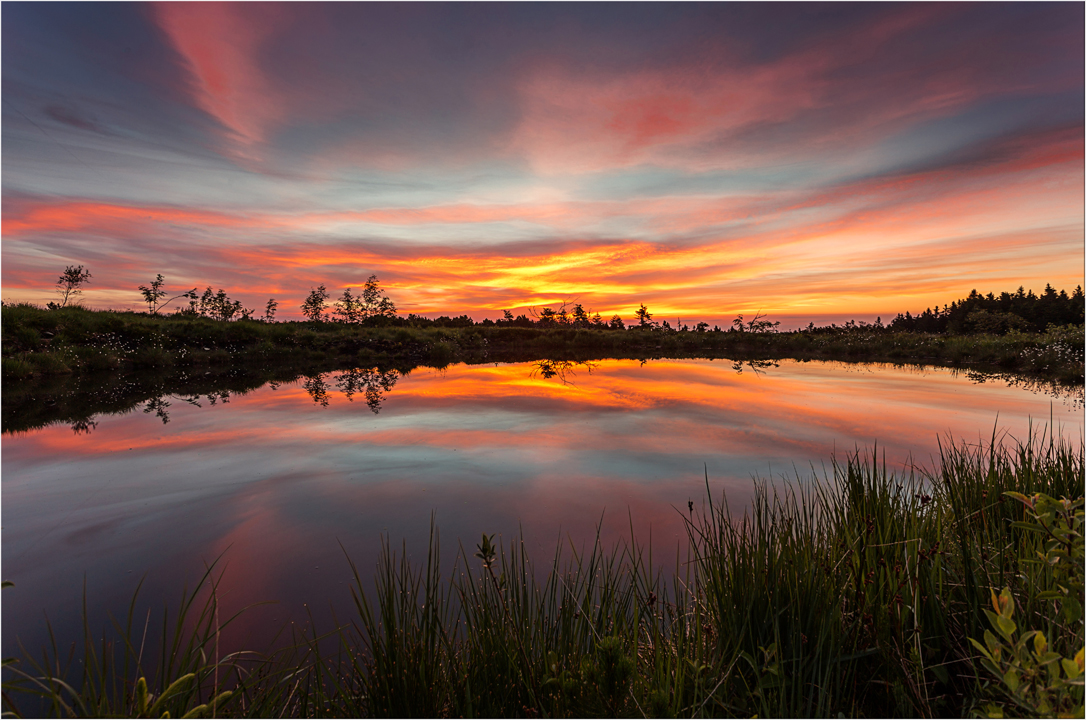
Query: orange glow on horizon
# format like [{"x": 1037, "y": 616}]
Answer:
[{"x": 937, "y": 237}]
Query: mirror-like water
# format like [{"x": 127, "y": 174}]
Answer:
[{"x": 275, "y": 480}]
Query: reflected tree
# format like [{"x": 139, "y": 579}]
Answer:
[
  {"x": 223, "y": 396},
  {"x": 159, "y": 407},
  {"x": 84, "y": 426},
  {"x": 317, "y": 389},
  {"x": 758, "y": 366},
  {"x": 373, "y": 383},
  {"x": 561, "y": 369},
  {"x": 1073, "y": 395}
]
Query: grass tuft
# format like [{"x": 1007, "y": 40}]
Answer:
[{"x": 851, "y": 594}]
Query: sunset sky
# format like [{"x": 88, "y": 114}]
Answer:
[{"x": 814, "y": 162}]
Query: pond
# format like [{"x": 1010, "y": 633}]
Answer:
[{"x": 280, "y": 484}]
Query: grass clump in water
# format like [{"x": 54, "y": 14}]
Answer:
[{"x": 854, "y": 594}]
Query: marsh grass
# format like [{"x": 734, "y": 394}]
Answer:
[{"x": 854, "y": 593}]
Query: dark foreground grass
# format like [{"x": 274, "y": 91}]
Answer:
[
  {"x": 40, "y": 342},
  {"x": 855, "y": 594}
]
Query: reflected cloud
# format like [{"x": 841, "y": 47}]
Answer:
[{"x": 280, "y": 473}]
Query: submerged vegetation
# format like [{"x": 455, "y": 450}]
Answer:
[{"x": 867, "y": 592}]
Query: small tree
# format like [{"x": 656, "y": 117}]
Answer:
[
  {"x": 580, "y": 317},
  {"x": 269, "y": 310},
  {"x": 644, "y": 317},
  {"x": 375, "y": 302},
  {"x": 70, "y": 284},
  {"x": 756, "y": 325},
  {"x": 154, "y": 295},
  {"x": 218, "y": 306},
  {"x": 597, "y": 321},
  {"x": 349, "y": 308},
  {"x": 313, "y": 307},
  {"x": 616, "y": 323}
]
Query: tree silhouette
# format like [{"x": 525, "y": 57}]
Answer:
[
  {"x": 70, "y": 284},
  {"x": 375, "y": 302},
  {"x": 372, "y": 303},
  {"x": 756, "y": 325},
  {"x": 644, "y": 317},
  {"x": 349, "y": 309},
  {"x": 313, "y": 307},
  {"x": 219, "y": 306},
  {"x": 580, "y": 317},
  {"x": 154, "y": 295}
]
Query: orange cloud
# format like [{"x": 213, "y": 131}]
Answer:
[{"x": 876, "y": 246}]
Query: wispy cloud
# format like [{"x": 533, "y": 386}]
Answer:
[{"x": 705, "y": 160}]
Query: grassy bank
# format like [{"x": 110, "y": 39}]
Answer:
[
  {"x": 39, "y": 342},
  {"x": 857, "y": 594}
]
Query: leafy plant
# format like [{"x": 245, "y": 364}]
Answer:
[{"x": 1037, "y": 677}]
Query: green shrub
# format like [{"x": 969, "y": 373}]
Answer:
[{"x": 1037, "y": 676}]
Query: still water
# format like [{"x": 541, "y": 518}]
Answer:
[{"x": 280, "y": 482}]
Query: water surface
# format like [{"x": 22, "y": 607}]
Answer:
[{"x": 273, "y": 482}]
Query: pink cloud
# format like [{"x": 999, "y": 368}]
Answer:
[
  {"x": 721, "y": 113},
  {"x": 585, "y": 122},
  {"x": 221, "y": 43}
]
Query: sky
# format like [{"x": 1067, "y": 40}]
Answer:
[{"x": 812, "y": 162}]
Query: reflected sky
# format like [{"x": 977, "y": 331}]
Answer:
[{"x": 273, "y": 480}]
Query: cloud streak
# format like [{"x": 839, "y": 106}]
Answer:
[{"x": 703, "y": 160}]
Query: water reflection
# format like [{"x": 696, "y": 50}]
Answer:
[
  {"x": 757, "y": 366},
  {"x": 563, "y": 370},
  {"x": 1071, "y": 395},
  {"x": 371, "y": 382},
  {"x": 82, "y": 408},
  {"x": 276, "y": 472},
  {"x": 83, "y": 426}
]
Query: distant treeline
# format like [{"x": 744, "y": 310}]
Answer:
[
  {"x": 1000, "y": 314},
  {"x": 976, "y": 314}
]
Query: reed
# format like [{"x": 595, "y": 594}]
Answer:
[{"x": 853, "y": 593}]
